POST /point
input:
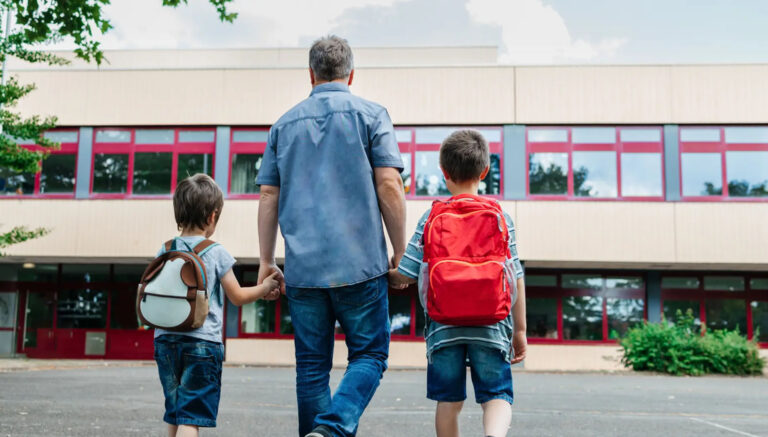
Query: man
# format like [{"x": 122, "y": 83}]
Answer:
[{"x": 330, "y": 172}]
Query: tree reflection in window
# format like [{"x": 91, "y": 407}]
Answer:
[
  {"x": 548, "y": 173},
  {"x": 491, "y": 185},
  {"x": 110, "y": 173}
]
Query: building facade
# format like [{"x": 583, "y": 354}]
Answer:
[{"x": 636, "y": 191}]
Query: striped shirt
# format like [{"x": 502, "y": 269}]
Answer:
[{"x": 497, "y": 336}]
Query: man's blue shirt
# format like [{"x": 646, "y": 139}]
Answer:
[{"x": 321, "y": 153}]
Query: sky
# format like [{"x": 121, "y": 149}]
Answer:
[{"x": 525, "y": 31}]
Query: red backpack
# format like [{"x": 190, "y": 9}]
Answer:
[{"x": 466, "y": 248}]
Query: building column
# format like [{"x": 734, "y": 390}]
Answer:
[
  {"x": 515, "y": 163},
  {"x": 672, "y": 162},
  {"x": 222, "y": 158},
  {"x": 653, "y": 294},
  {"x": 84, "y": 163}
]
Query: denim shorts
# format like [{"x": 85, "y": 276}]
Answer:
[
  {"x": 447, "y": 374},
  {"x": 190, "y": 372}
]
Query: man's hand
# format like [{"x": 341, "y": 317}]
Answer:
[
  {"x": 519, "y": 346},
  {"x": 265, "y": 270},
  {"x": 397, "y": 280}
]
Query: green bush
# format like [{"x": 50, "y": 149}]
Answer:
[{"x": 680, "y": 349}]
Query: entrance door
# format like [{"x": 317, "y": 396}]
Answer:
[
  {"x": 7, "y": 323},
  {"x": 39, "y": 336}
]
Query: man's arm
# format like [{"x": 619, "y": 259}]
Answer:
[
  {"x": 268, "y": 204},
  {"x": 389, "y": 188}
]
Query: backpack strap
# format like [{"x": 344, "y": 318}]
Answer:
[
  {"x": 169, "y": 245},
  {"x": 204, "y": 246}
]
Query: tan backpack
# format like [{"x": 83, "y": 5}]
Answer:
[{"x": 173, "y": 292}]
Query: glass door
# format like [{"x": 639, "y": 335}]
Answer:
[{"x": 38, "y": 321}]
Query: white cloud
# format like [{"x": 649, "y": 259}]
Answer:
[{"x": 535, "y": 33}]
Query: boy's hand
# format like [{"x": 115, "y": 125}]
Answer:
[
  {"x": 269, "y": 270},
  {"x": 397, "y": 280},
  {"x": 519, "y": 346}
]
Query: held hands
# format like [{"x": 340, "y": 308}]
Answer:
[
  {"x": 271, "y": 272},
  {"x": 519, "y": 346},
  {"x": 272, "y": 284},
  {"x": 397, "y": 280}
]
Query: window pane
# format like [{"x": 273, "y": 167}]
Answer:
[
  {"x": 492, "y": 182},
  {"x": 541, "y": 316},
  {"x": 547, "y": 136},
  {"x": 258, "y": 317},
  {"x": 758, "y": 283},
  {"x": 760, "y": 320},
  {"x": 640, "y": 135},
  {"x": 641, "y": 174},
  {"x": 110, "y": 173},
  {"x": 152, "y": 173},
  {"x": 700, "y": 135},
  {"x": 406, "y": 174},
  {"x": 672, "y": 306},
  {"x": 727, "y": 314},
  {"x": 400, "y": 314},
  {"x": 16, "y": 184},
  {"x": 403, "y": 135},
  {"x": 725, "y": 283},
  {"x": 436, "y": 135},
  {"x": 154, "y": 136},
  {"x": 286, "y": 326},
  {"x": 40, "y": 308},
  {"x": 624, "y": 282},
  {"x": 119, "y": 316},
  {"x": 421, "y": 321},
  {"x": 702, "y": 174},
  {"x": 129, "y": 272},
  {"x": 58, "y": 174},
  {"x": 548, "y": 173},
  {"x": 623, "y": 314},
  {"x": 250, "y": 136},
  {"x": 82, "y": 309},
  {"x": 583, "y": 318},
  {"x": 191, "y": 164},
  {"x": 671, "y": 282},
  {"x": 113, "y": 136},
  {"x": 245, "y": 169},
  {"x": 429, "y": 178},
  {"x": 747, "y": 173},
  {"x": 540, "y": 280},
  {"x": 582, "y": 281},
  {"x": 594, "y": 174},
  {"x": 39, "y": 273},
  {"x": 593, "y": 135},
  {"x": 62, "y": 136},
  {"x": 746, "y": 135},
  {"x": 196, "y": 136},
  {"x": 85, "y": 273}
]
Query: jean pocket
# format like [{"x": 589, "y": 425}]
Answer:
[
  {"x": 360, "y": 294},
  {"x": 199, "y": 371}
]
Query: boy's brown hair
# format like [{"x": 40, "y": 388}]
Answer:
[
  {"x": 464, "y": 155},
  {"x": 195, "y": 198}
]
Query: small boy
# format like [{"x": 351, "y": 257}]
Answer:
[
  {"x": 464, "y": 160},
  {"x": 189, "y": 363}
]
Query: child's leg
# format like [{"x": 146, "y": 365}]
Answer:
[
  {"x": 172, "y": 430},
  {"x": 187, "y": 431},
  {"x": 447, "y": 419},
  {"x": 497, "y": 416}
]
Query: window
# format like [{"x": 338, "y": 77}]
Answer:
[
  {"x": 724, "y": 163},
  {"x": 595, "y": 162},
  {"x": 148, "y": 162},
  {"x": 258, "y": 317},
  {"x": 583, "y": 318},
  {"x": 400, "y": 314},
  {"x": 541, "y": 317},
  {"x": 246, "y": 154},
  {"x": 82, "y": 309},
  {"x": 671, "y": 308},
  {"x": 623, "y": 314},
  {"x": 725, "y": 283},
  {"x": 56, "y": 177},
  {"x": 727, "y": 314},
  {"x": 119, "y": 317},
  {"x": 680, "y": 282},
  {"x": 760, "y": 320},
  {"x": 420, "y": 151}
]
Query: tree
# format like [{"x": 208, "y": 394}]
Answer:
[{"x": 37, "y": 23}]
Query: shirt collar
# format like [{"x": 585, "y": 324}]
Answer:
[{"x": 329, "y": 86}]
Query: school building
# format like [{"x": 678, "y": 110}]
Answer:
[{"x": 636, "y": 191}]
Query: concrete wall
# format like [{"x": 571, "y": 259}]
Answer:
[{"x": 655, "y": 235}]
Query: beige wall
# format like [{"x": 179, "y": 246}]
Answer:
[
  {"x": 413, "y": 94},
  {"x": 663, "y": 235}
]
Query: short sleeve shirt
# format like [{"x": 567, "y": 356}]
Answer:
[
  {"x": 322, "y": 154},
  {"x": 217, "y": 263}
]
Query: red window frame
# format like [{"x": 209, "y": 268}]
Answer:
[
  {"x": 719, "y": 147},
  {"x": 558, "y": 293},
  {"x": 569, "y": 147},
  {"x": 130, "y": 148},
  {"x": 244, "y": 148},
  {"x": 495, "y": 147},
  {"x": 701, "y": 295},
  {"x": 69, "y": 148}
]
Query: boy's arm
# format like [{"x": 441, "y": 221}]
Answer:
[
  {"x": 519, "y": 339},
  {"x": 242, "y": 295}
]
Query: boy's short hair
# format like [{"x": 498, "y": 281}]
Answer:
[
  {"x": 464, "y": 155},
  {"x": 195, "y": 198}
]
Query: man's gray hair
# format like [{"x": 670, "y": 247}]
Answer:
[{"x": 330, "y": 58}]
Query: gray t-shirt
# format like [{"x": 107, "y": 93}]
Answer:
[{"x": 217, "y": 263}]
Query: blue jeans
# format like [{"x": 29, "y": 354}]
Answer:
[
  {"x": 447, "y": 374},
  {"x": 363, "y": 312}
]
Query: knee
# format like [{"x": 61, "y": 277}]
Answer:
[{"x": 450, "y": 407}]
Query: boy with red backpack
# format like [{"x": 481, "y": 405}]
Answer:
[{"x": 464, "y": 256}]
